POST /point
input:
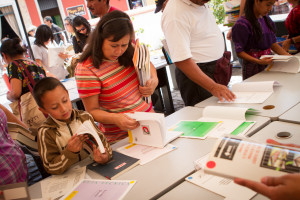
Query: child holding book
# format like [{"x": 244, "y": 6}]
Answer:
[
  {"x": 254, "y": 35},
  {"x": 58, "y": 143}
]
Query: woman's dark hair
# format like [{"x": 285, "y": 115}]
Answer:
[
  {"x": 43, "y": 34},
  {"x": 44, "y": 85},
  {"x": 12, "y": 47},
  {"x": 250, "y": 16},
  {"x": 116, "y": 24},
  {"x": 78, "y": 21}
]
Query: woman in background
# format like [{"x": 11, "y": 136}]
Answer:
[
  {"x": 82, "y": 29},
  {"x": 254, "y": 35},
  {"x": 44, "y": 37}
]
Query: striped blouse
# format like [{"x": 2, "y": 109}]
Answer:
[{"x": 118, "y": 90}]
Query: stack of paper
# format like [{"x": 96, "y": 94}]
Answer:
[
  {"x": 252, "y": 92},
  {"x": 232, "y": 10},
  {"x": 283, "y": 63},
  {"x": 141, "y": 61}
]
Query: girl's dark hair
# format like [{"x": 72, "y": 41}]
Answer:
[
  {"x": 250, "y": 16},
  {"x": 12, "y": 47},
  {"x": 44, "y": 85},
  {"x": 43, "y": 34},
  {"x": 116, "y": 24},
  {"x": 78, "y": 21}
]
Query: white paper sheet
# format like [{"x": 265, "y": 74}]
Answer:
[
  {"x": 145, "y": 153},
  {"x": 53, "y": 58},
  {"x": 57, "y": 185}
]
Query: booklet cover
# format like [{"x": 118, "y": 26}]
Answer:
[
  {"x": 119, "y": 164},
  {"x": 283, "y": 63},
  {"x": 100, "y": 189},
  {"x": 241, "y": 157}
]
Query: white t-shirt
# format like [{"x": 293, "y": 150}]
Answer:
[
  {"x": 41, "y": 53},
  {"x": 191, "y": 32}
]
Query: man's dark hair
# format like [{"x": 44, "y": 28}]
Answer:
[
  {"x": 48, "y": 19},
  {"x": 44, "y": 85},
  {"x": 12, "y": 47},
  {"x": 107, "y": 2},
  {"x": 116, "y": 24},
  {"x": 43, "y": 34}
]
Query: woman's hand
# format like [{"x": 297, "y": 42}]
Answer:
[
  {"x": 100, "y": 157},
  {"x": 63, "y": 55},
  {"x": 75, "y": 143},
  {"x": 148, "y": 90},
  {"x": 265, "y": 61},
  {"x": 124, "y": 122}
]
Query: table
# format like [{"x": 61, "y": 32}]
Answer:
[
  {"x": 284, "y": 97},
  {"x": 282, "y": 132},
  {"x": 164, "y": 173},
  {"x": 292, "y": 115}
]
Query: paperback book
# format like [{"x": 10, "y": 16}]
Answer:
[
  {"x": 233, "y": 157},
  {"x": 119, "y": 164},
  {"x": 283, "y": 63}
]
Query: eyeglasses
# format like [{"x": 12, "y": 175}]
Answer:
[{"x": 82, "y": 29}]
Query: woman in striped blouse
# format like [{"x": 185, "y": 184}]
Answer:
[{"x": 106, "y": 78}]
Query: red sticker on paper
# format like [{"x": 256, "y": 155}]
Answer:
[{"x": 210, "y": 164}]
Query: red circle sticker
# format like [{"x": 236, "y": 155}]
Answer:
[{"x": 210, "y": 164}]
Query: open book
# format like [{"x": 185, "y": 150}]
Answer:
[
  {"x": 252, "y": 92},
  {"x": 216, "y": 121},
  {"x": 100, "y": 189},
  {"x": 241, "y": 157},
  {"x": 141, "y": 62},
  {"x": 283, "y": 63},
  {"x": 152, "y": 130},
  {"x": 88, "y": 128}
]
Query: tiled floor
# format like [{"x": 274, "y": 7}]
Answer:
[{"x": 236, "y": 78}]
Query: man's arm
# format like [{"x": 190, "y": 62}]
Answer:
[{"x": 193, "y": 72}]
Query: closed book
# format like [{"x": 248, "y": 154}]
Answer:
[
  {"x": 119, "y": 164},
  {"x": 17, "y": 128},
  {"x": 23, "y": 140}
]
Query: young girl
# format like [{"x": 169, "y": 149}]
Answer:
[
  {"x": 292, "y": 24},
  {"x": 106, "y": 78},
  {"x": 82, "y": 29},
  {"x": 44, "y": 37},
  {"x": 254, "y": 36}
]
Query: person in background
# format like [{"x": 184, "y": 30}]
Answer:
[
  {"x": 69, "y": 27},
  {"x": 195, "y": 46},
  {"x": 43, "y": 37},
  {"x": 100, "y": 7},
  {"x": 254, "y": 36},
  {"x": 13, "y": 55},
  {"x": 82, "y": 29},
  {"x": 292, "y": 24},
  {"x": 31, "y": 34},
  {"x": 56, "y": 30},
  {"x": 280, "y": 7},
  {"x": 106, "y": 78},
  {"x": 58, "y": 143}
]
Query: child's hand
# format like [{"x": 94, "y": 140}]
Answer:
[
  {"x": 124, "y": 122},
  {"x": 98, "y": 156},
  {"x": 148, "y": 90},
  {"x": 265, "y": 61},
  {"x": 75, "y": 142}
]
